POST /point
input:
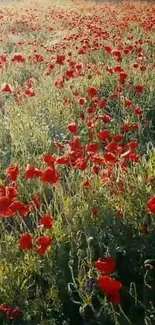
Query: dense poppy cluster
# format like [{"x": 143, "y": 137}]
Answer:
[{"x": 101, "y": 76}]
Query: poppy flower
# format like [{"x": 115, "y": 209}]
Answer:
[
  {"x": 19, "y": 207},
  {"x": 60, "y": 59},
  {"x": 110, "y": 157},
  {"x": 50, "y": 176},
  {"x": 139, "y": 89},
  {"x": 151, "y": 204},
  {"x": 12, "y": 313},
  {"x": 73, "y": 128},
  {"x": 105, "y": 265},
  {"x": 49, "y": 160},
  {"x": 122, "y": 77},
  {"x": 92, "y": 92},
  {"x": 103, "y": 135},
  {"x": 25, "y": 241},
  {"x": 102, "y": 103},
  {"x": 29, "y": 93},
  {"x": 38, "y": 58},
  {"x": 111, "y": 288},
  {"x": 6, "y": 88},
  {"x": 43, "y": 242},
  {"x": 118, "y": 137},
  {"x": 82, "y": 101},
  {"x": 106, "y": 119},
  {"x": 12, "y": 192},
  {"x": 112, "y": 146},
  {"x": 4, "y": 307},
  {"x": 4, "y": 205},
  {"x": 18, "y": 58},
  {"x": 12, "y": 173},
  {"x": 46, "y": 221},
  {"x": 30, "y": 171},
  {"x": 92, "y": 147},
  {"x": 63, "y": 160}
]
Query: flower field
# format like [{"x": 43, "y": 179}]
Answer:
[{"x": 77, "y": 163}]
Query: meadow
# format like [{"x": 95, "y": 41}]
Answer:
[{"x": 77, "y": 163}]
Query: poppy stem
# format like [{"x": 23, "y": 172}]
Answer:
[{"x": 122, "y": 312}]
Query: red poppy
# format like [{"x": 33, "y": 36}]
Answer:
[
  {"x": 60, "y": 59},
  {"x": 63, "y": 160},
  {"x": 4, "y": 307},
  {"x": 106, "y": 119},
  {"x": 110, "y": 157},
  {"x": 44, "y": 242},
  {"x": 29, "y": 93},
  {"x": 133, "y": 144},
  {"x": 19, "y": 207},
  {"x": 151, "y": 204},
  {"x": 14, "y": 313},
  {"x": 92, "y": 147},
  {"x": 38, "y": 58},
  {"x": 49, "y": 160},
  {"x": 18, "y": 58},
  {"x": 92, "y": 92},
  {"x": 50, "y": 176},
  {"x": 12, "y": 173},
  {"x": 30, "y": 171},
  {"x": 118, "y": 137},
  {"x": 112, "y": 146},
  {"x": 25, "y": 241},
  {"x": 102, "y": 103},
  {"x": 82, "y": 101},
  {"x": 106, "y": 265},
  {"x": 12, "y": 192},
  {"x": 11, "y": 312},
  {"x": 6, "y": 88},
  {"x": 4, "y": 205},
  {"x": 111, "y": 288},
  {"x": 104, "y": 135},
  {"x": 73, "y": 128},
  {"x": 46, "y": 221},
  {"x": 35, "y": 201},
  {"x": 122, "y": 77},
  {"x": 139, "y": 89}
]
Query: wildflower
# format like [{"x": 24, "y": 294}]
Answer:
[
  {"x": 151, "y": 204},
  {"x": 43, "y": 242},
  {"x": 105, "y": 265},
  {"x": 25, "y": 241},
  {"x": 73, "y": 128},
  {"x": 12, "y": 312},
  {"x": 46, "y": 221},
  {"x": 111, "y": 288},
  {"x": 139, "y": 89},
  {"x": 6, "y": 88},
  {"x": 18, "y": 58},
  {"x": 12, "y": 173},
  {"x": 60, "y": 59},
  {"x": 92, "y": 92},
  {"x": 104, "y": 135},
  {"x": 51, "y": 176},
  {"x": 82, "y": 101}
]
